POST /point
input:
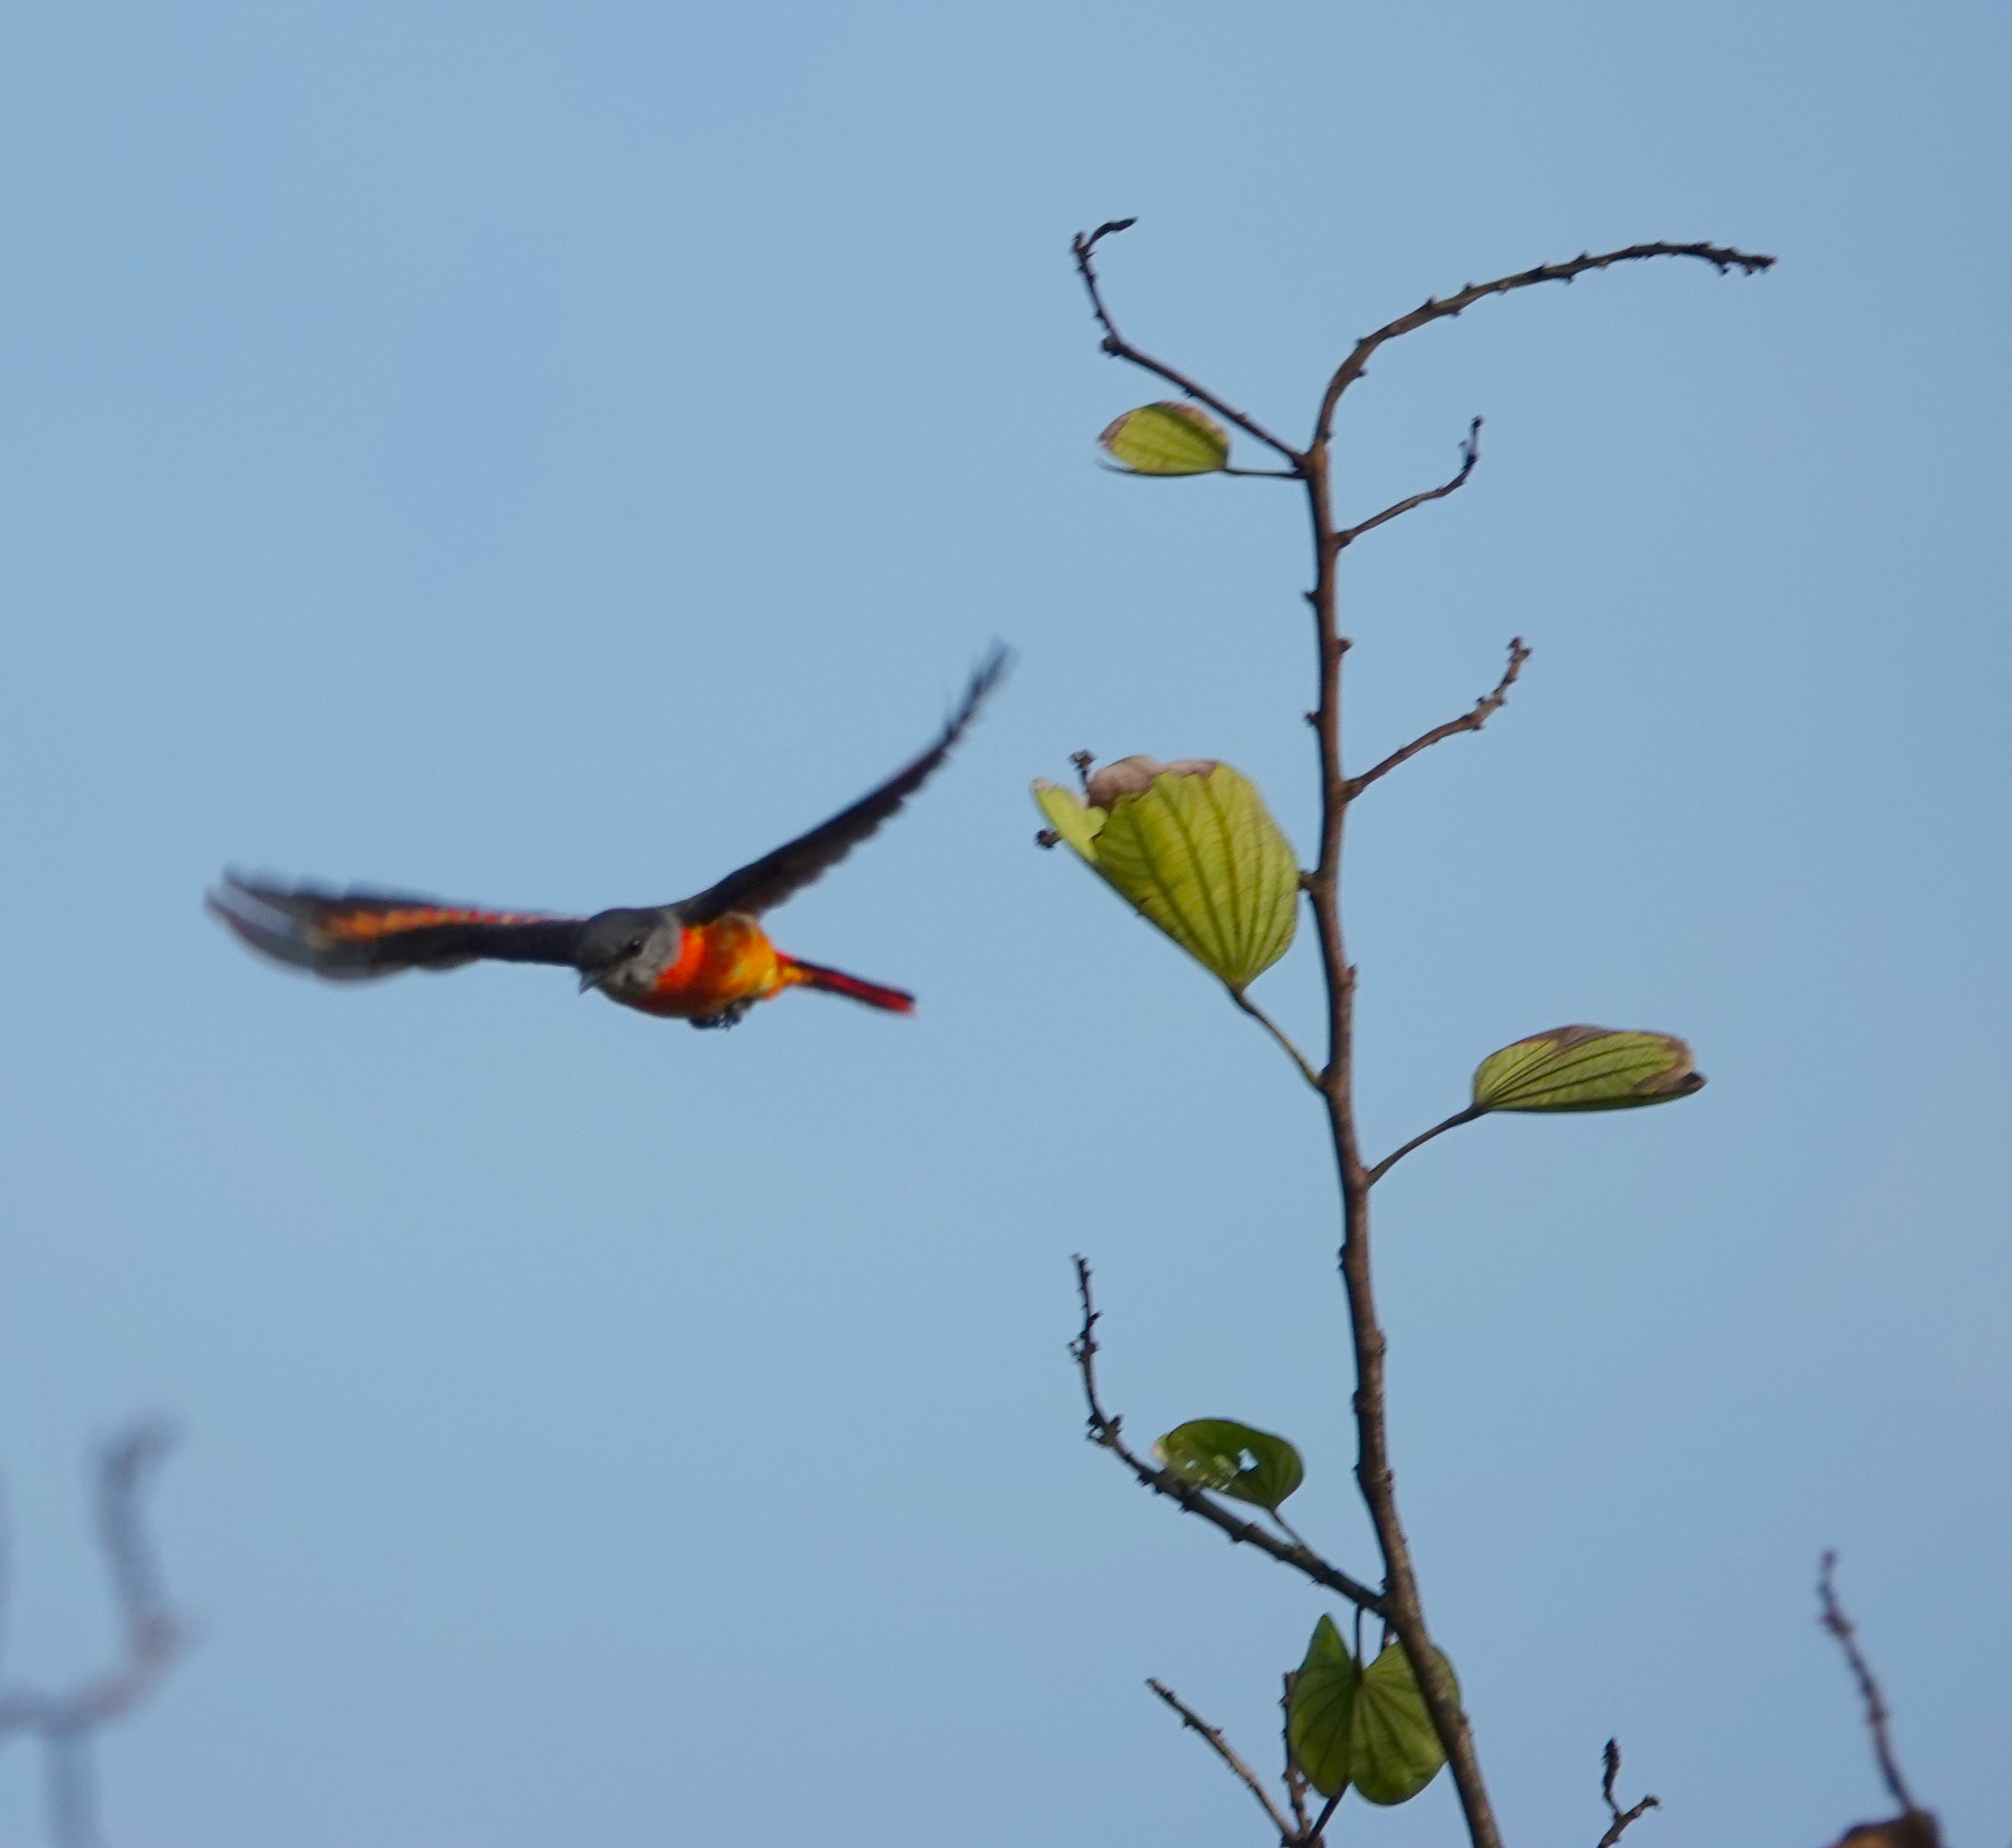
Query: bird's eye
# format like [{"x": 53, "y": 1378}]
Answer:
[{"x": 635, "y": 947}]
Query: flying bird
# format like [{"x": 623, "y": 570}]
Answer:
[{"x": 705, "y": 959}]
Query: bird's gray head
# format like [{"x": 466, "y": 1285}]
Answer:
[{"x": 622, "y": 953}]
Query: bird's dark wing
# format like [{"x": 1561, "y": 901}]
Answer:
[
  {"x": 352, "y": 936},
  {"x": 768, "y": 881}
]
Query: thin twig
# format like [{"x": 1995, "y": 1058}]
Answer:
[
  {"x": 1118, "y": 347},
  {"x": 1296, "y": 1779},
  {"x": 1721, "y": 257},
  {"x": 1227, "y": 1753},
  {"x": 1484, "y": 709},
  {"x": 1470, "y": 454},
  {"x": 1877, "y": 1717},
  {"x": 1105, "y": 1429},
  {"x": 155, "y": 1638},
  {"x": 1611, "y": 1761},
  {"x": 1391, "y": 1159},
  {"x": 1325, "y": 1817},
  {"x": 1265, "y": 1021}
]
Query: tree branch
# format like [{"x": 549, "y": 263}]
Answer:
[
  {"x": 1224, "y": 1750},
  {"x": 1877, "y": 1717},
  {"x": 1470, "y": 454},
  {"x": 1105, "y": 1429},
  {"x": 154, "y": 1640},
  {"x": 1265, "y": 1021},
  {"x": 1391, "y": 1161},
  {"x": 1118, "y": 347},
  {"x": 1721, "y": 257},
  {"x": 1618, "y": 1827},
  {"x": 1485, "y": 708}
]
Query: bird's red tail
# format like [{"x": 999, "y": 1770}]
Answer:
[{"x": 813, "y": 975}]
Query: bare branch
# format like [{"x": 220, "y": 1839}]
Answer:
[
  {"x": 1485, "y": 708},
  {"x": 1470, "y": 454},
  {"x": 1721, "y": 257},
  {"x": 1618, "y": 1827},
  {"x": 1118, "y": 347},
  {"x": 1105, "y": 1429},
  {"x": 1877, "y": 1717},
  {"x": 1224, "y": 1750},
  {"x": 1391, "y": 1159},
  {"x": 1265, "y": 1021},
  {"x": 155, "y": 1638}
]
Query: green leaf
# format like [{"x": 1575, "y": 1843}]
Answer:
[
  {"x": 1586, "y": 1068},
  {"x": 1074, "y": 820},
  {"x": 1200, "y": 856},
  {"x": 1394, "y": 1754},
  {"x": 1235, "y": 1460},
  {"x": 1320, "y": 1711},
  {"x": 1168, "y": 439}
]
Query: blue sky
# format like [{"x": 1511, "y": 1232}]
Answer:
[{"x": 546, "y": 454}]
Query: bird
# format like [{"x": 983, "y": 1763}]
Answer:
[{"x": 706, "y": 959}]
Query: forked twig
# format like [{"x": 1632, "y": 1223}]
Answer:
[
  {"x": 1610, "y": 1760},
  {"x": 155, "y": 1638},
  {"x": 1227, "y": 1753},
  {"x": 1484, "y": 709},
  {"x": 1105, "y": 1429},
  {"x": 1118, "y": 347},
  {"x": 1470, "y": 454}
]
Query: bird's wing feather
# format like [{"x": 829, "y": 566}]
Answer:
[
  {"x": 353, "y": 935},
  {"x": 765, "y": 883}
]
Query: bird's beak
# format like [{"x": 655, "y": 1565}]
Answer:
[{"x": 588, "y": 978}]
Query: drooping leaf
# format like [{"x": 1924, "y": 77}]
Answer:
[
  {"x": 1320, "y": 1711},
  {"x": 1070, "y": 817},
  {"x": 1200, "y": 856},
  {"x": 1586, "y": 1068},
  {"x": 1168, "y": 439},
  {"x": 1235, "y": 1460},
  {"x": 1394, "y": 1754}
]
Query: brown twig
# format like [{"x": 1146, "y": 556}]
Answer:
[
  {"x": 1296, "y": 1779},
  {"x": 1484, "y": 709},
  {"x": 1227, "y": 1753},
  {"x": 1105, "y": 1429},
  {"x": 1720, "y": 256},
  {"x": 1470, "y": 454},
  {"x": 1118, "y": 347},
  {"x": 155, "y": 1638},
  {"x": 1878, "y": 1719},
  {"x": 1610, "y": 1760}
]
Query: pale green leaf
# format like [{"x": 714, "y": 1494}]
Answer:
[
  {"x": 1586, "y": 1068},
  {"x": 1200, "y": 856},
  {"x": 1235, "y": 1460},
  {"x": 1168, "y": 439},
  {"x": 1320, "y": 1711},
  {"x": 1394, "y": 1753},
  {"x": 1068, "y": 816}
]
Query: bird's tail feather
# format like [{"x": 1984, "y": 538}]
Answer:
[{"x": 813, "y": 975}]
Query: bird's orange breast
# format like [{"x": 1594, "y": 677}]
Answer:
[{"x": 729, "y": 961}]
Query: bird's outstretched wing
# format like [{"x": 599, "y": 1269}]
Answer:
[
  {"x": 352, "y": 936},
  {"x": 765, "y": 883}
]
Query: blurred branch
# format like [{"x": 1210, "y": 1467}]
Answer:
[
  {"x": 1105, "y": 1430},
  {"x": 1470, "y": 454},
  {"x": 154, "y": 1638},
  {"x": 1914, "y": 1827},
  {"x": 1118, "y": 347},
  {"x": 1721, "y": 257},
  {"x": 1484, "y": 709},
  {"x": 1227, "y": 1753},
  {"x": 1610, "y": 1760}
]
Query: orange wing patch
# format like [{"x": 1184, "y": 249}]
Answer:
[{"x": 361, "y": 927}]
